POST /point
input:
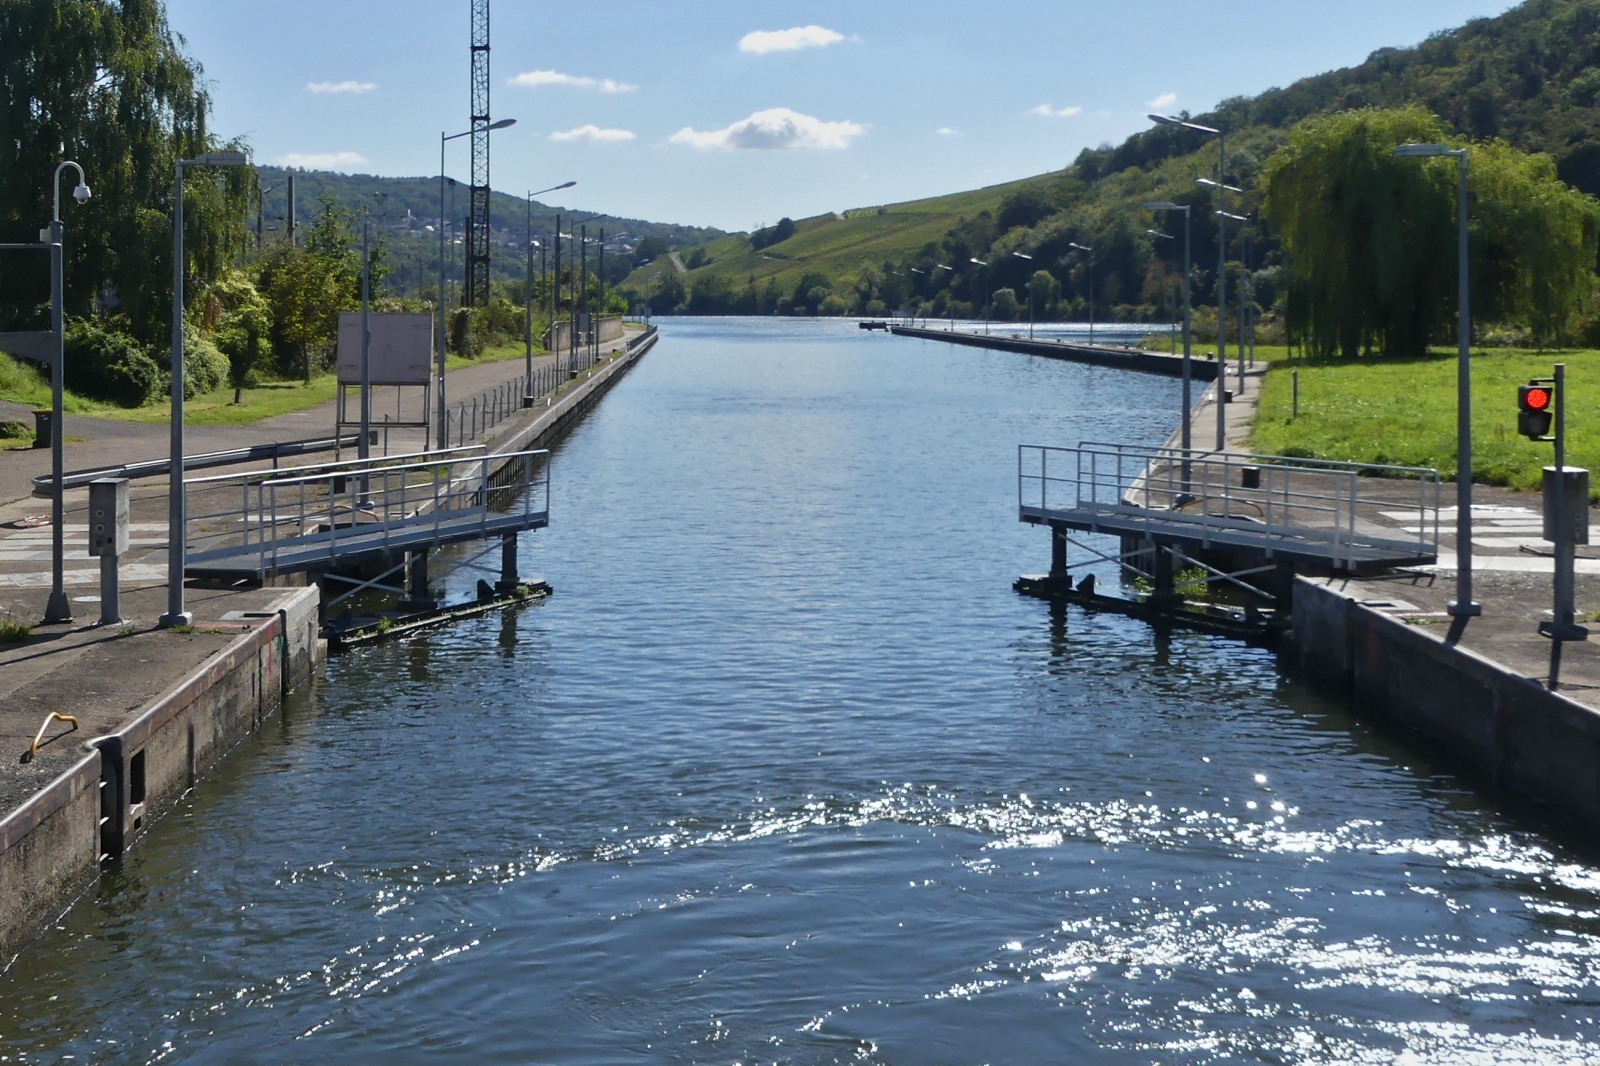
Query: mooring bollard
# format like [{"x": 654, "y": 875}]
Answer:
[{"x": 108, "y": 538}]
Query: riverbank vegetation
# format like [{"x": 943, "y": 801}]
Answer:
[{"x": 1355, "y": 258}]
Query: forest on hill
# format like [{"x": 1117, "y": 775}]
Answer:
[{"x": 1528, "y": 79}]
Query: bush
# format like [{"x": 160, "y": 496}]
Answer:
[
  {"x": 205, "y": 368},
  {"x": 465, "y": 339},
  {"x": 832, "y": 305},
  {"x": 107, "y": 364}
]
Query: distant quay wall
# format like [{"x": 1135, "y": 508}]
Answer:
[{"x": 1093, "y": 354}]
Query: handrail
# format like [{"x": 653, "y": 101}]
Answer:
[
  {"x": 343, "y": 466},
  {"x": 53, "y": 716},
  {"x": 227, "y": 457}
]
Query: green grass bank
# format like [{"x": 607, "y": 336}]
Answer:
[{"x": 1403, "y": 411}]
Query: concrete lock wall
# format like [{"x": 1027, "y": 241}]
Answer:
[
  {"x": 1511, "y": 729},
  {"x": 49, "y": 854},
  {"x": 52, "y": 847},
  {"x": 558, "y": 338}
]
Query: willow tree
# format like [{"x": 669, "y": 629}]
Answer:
[
  {"x": 107, "y": 84},
  {"x": 1371, "y": 238}
]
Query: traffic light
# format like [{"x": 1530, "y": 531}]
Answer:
[{"x": 1534, "y": 407}]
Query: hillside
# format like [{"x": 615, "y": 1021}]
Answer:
[
  {"x": 411, "y": 204},
  {"x": 1530, "y": 76}
]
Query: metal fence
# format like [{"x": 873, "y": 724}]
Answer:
[{"x": 1245, "y": 500}]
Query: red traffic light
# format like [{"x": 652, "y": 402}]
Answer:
[{"x": 1534, "y": 410}]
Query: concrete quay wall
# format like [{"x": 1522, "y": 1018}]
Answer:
[
  {"x": 1510, "y": 730},
  {"x": 1094, "y": 354},
  {"x": 53, "y": 846}
]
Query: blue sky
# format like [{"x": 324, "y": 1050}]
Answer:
[{"x": 729, "y": 114}]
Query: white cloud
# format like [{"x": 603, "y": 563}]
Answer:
[
  {"x": 946, "y": 131},
  {"x": 321, "y": 160},
  {"x": 1164, "y": 101},
  {"x": 342, "y": 86},
  {"x": 592, "y": 133},
  {"x": 791, "y": 40},
  {"x": 1055, "y": 112},
  {"x": 777, "y": 127},
  {"x": 533, "y": 79}
]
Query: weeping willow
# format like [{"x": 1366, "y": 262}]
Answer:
[
  {"x": 107, "y": 84},
  {"x": 1371, "y": 238}
]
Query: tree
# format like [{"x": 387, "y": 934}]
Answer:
[
  {"x": 1004, "y": 306},
  {"x": 668, "y": 295},
  {"x": 106, "y": 84},
  {"x": 1371, "y": 237}
]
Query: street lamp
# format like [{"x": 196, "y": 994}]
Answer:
[
  {"x": 1464, "y": 605},
  {"x": 986, "y": 290},
  {"x": 176, "y": 521},
  {"x": 1222, "y": 263},
  {"x": 1029, "y": 258},
  {"x": 1220, "y": 323},
  {"x": 443, "y": 431},
  {"x": 1087, "y": 258},
  {"x": 1172, "y": 334},
  {"x": 1167, "y": 205},
  {"x": 57, "y": 609},
  {"x": 527, "y": 314}
]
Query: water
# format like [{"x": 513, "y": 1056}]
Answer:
[{"x": 784, "y": 772}]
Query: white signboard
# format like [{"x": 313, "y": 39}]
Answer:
[{"x": 400, "y": 352}]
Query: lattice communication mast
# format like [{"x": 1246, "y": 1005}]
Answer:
[{"x": 477, "y": 293}]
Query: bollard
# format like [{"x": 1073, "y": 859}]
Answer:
[{"x": 108, "y": 538}]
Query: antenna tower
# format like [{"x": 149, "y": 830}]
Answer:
[{"x": 477, "y": 293}]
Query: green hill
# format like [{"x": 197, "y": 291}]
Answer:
[{"x": 1530, "y": 76}]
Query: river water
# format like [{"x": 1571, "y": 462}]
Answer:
[{"x": 784, "y": 772}]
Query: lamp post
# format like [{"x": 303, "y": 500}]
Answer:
[
  {"x": 1222, "y": 264},
  {"x": 951, "y": 304},
  {"x": 1221, "y": 323},
  {"x": 57, "y": 609},
  {"x": 443, "y": 430},
  {"x": 1172, "y": 335},
  {"x": 980, "y": 262},
  {"x": 176, "y": 511},
  {"x": 1028, "y": 258},
  {"x": 1464, "y": 605},
  {"x": 1167, "y": 205},
  {"x": 527, "y": 314},
  {"x": 1088, "y": 259}
]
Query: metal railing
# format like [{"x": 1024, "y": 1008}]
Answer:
[
  {"x": 293, "y": 519},
  {"x": 1237, "y": 498}
]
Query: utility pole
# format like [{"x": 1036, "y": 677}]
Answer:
[{"x": 294, "y": 241}]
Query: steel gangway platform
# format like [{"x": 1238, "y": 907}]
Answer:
[
  {"x": 1233, "y": 517},
  {"x": 339, "y": 516}
]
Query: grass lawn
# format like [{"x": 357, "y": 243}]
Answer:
[
  {"x": 19, "y": 383},
  {"x": 1404, "y": 411}
]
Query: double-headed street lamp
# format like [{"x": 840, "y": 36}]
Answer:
[
  {"x": 176, "y": 511},
  {"x": 444, "y": 431},
  {"x": 1167, "y": 205},
  {"x": 1028, "y": 258},
  {"x": 1088, "y": 258},
  {"x": 1222, "y": 261},
  {"x": 1464, "y": 606}
]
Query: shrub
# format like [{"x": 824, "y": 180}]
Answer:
[
  {"x": 205, "y": 368},
  {"x": 107, "y": 364}
]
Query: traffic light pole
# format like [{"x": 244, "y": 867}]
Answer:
[{"x": 1562, "y": 520}]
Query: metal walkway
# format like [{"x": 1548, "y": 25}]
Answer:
[
  {"x": 266, "y": 523},
  {"x": 1282, "y": 509}
]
